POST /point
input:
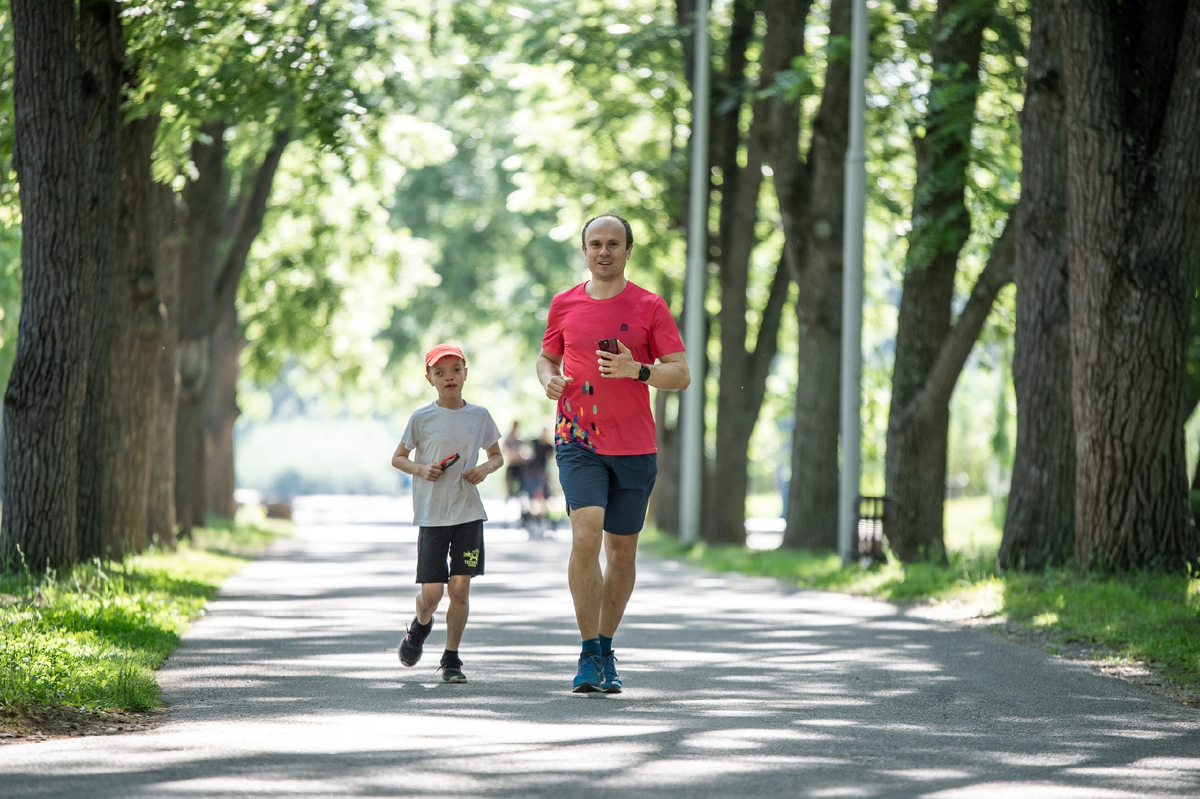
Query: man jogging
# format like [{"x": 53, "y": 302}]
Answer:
[{"x": 607, "y": 340}]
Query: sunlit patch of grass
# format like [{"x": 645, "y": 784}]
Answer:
[{"x": 92, "y": 638}]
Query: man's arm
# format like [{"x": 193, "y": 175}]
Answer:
[
  {"x": 670, "y": 372},
  {"x": 549, "y": 372}
]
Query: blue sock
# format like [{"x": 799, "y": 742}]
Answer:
[
  {"x": 605, "y": 645},
  {"x": 591, "y": 646}
]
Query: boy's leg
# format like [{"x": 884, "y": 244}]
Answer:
[
  {"x": 427, "y": 602},
  {"x": 460, "y": 606}
]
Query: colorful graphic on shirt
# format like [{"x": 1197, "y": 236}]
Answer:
[{"x": 573, "y": 430}]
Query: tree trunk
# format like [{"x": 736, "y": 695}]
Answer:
[
  {"x": 206, "y": 200},
  {"x": 221, "y": 413},
  {"x": 103, "y": 51},
  {"x": 812, "y": 507},
  {"x": 915, "y": 466},
  {"x": 735, "y": 240},
  {"x": 742, "y": 376},
  {"x": 160, "y": 505},
  {"x": 208, "y": 285},
  {"x": 1039, "y": 528},
  {"x": 664, "y": 501},
  {"x": 127, "y": 414},
  {"x": 44, "y": 399},
  {"x": 1133, "y": 235}
]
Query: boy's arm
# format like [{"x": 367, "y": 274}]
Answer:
[
  {"x": 426, "y": 471},
  {"x": 495, "y": 460}
]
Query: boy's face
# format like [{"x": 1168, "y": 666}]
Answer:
[{"x": 447, "y": 375}]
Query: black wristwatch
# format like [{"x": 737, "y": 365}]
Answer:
[{"x": 644, "y": 373}]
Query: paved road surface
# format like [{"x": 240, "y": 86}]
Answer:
[{"x": 735, "y": 687}]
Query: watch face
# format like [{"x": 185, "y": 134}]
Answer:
[{"x": 644, "y": 373}]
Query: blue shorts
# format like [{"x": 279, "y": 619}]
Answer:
[{"x": 621, "y": 484}]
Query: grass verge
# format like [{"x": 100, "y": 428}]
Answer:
[
  {"x": 80, "y": 649},
  {"x": 1142, "y": 626}
]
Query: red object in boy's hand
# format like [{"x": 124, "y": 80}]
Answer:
[{"x": 448, "y": 462}]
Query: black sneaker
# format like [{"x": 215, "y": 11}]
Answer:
[
  {"x": 451, "y": 670},
  {"x": 414, "y": 642}
]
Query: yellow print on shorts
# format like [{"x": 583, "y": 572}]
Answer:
[{"x": 471, "y": 558}]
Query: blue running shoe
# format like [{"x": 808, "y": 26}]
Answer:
[
  {"x": 612, "y": 680},
  {"x": 589, "y": 678}
]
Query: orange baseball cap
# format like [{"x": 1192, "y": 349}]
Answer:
[{"x": 441, "y": 351}]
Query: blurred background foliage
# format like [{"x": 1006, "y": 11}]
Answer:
[{"x": 444, "y": 157}]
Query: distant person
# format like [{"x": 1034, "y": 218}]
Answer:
[
  {"x": 447, "y": 436},
  {"x": 535, "y": 483},
  {"x": 606, "y": 341},
  {"x": 512, "y": 456}
]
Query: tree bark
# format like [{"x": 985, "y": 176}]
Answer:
[
  {"x": 1039, "y": 527},
  {"x": 221, "y": 413},
  {"x": 915, "y": 468},
  {"x": 735, "y": 239},
  {"x": 127, "y": 412},
  {"x": 205, "y": 200},
  {"x": 160, "y": 505},
  {"x": 813, "y": 489},
  {"x": 1133, "y": 234},
  {"x": 44, "y": 399}
]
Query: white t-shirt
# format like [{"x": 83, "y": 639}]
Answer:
[{"x": 435, "y": 433}]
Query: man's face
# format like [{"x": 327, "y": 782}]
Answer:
[
  {"x": 605, "y": 249},
  {"x": 447, "y": 375}
]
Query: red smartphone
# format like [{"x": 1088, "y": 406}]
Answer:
[
  {"x": 608, "y": 345},
  {"x": 448, "y": 462}
]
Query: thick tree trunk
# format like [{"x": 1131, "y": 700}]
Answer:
[
  {"x": 1039, "y": 528},
  {"x": 813, "y": 490},
  {"x": 160, "y": 505},
  {"x": 127, "y": 415},
  {"x": 1133, "y": 227},
  {"x": 44, "y": 399},
  {"x": 916, "y": 442},
  {"x": 221, "y": 413},
  {"x": 103, "y": 51}
]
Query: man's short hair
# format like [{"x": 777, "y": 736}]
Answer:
[{"x": 628, "y": 229}]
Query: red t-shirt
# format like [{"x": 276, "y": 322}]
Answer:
[{"x": 609, "y": 415}]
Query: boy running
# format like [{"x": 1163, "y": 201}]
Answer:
[{"x": 447, "y": 436}]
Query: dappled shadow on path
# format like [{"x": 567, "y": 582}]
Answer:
[{"x": 735, "y": 687}]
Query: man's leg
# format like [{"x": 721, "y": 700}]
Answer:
[
  {"x": 583, "y": 569},
  {"x": 619, "y": 576},
  {"x": 460, "y": 606}
]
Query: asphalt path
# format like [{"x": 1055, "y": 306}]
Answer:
[{"x": 735, "y": 687}]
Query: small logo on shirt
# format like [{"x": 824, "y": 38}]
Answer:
[{"x": 624, "y": 327}]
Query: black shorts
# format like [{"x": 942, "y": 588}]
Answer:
[
  {"x": 621, "y": 484},
  {"x": 463, "y": 543}
]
